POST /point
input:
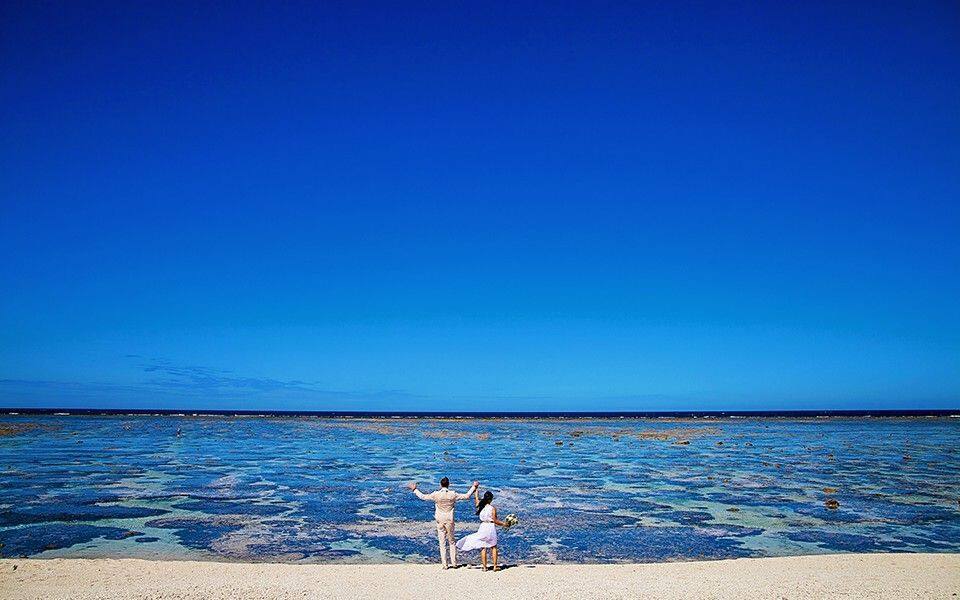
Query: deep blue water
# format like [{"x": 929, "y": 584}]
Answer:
[{"x": 598, "y": 490}]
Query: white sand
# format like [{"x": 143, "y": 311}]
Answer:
[{"x": 895, "y": 576}]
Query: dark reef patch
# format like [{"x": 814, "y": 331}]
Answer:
[
  {"x": 845, "y": 542},
  {"x": 28, "y": 541},
  {"x": 196, "y": 533},
  {"x": 58, "y": 512}
]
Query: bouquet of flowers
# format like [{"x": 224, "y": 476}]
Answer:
[{"x": 511, "y": 520}]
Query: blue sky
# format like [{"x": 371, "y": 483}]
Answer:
[{"x": 506, "y": 206}]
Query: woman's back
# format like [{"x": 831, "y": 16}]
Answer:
[{"x": 486, "y": 515}]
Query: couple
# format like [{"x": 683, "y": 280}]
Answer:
[{"x": 485, "y": 537}]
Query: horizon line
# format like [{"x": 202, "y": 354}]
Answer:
[{"x": 913, "y": 412}]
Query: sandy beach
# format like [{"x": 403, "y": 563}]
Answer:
[{"x": 898, "y": 576}]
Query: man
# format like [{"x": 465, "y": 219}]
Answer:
[{"x": 445, "y": 499}]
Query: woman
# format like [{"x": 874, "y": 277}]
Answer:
[{"x": 486, "y": 536}]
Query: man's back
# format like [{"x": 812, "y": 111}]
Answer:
[{"x": 445, "y": 500}]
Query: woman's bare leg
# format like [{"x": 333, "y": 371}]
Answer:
[
  {"x": 483, "y": 556},
  {"x": 495, "y": 567}
]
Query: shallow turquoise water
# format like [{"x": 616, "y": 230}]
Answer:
[{"x": 321, "y": 489}]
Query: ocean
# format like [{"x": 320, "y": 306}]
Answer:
[{"x": 327, "y": 488}]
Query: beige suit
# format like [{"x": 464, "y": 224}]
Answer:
[{"x": 445, "y": 500}]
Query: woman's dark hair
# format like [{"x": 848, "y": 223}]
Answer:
[{"x": 487, "y": 499}]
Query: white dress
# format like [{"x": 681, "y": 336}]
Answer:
[{"x": 485, "y": 537}]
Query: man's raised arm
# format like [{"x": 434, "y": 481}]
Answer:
[
  {"x": 469, "y": 492},
  {"x": 419, "y": 494}
]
